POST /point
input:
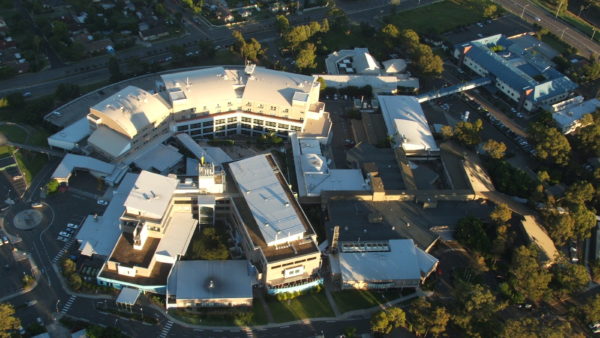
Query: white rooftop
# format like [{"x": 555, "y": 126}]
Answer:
[
  {"x": 162, "y": 158},
  {"x": 268, "y": 202},
  {"x": 568, "y": 116},
  {"x": 403, "y": 261},
  {"x": 69, "y": 137},
  {"x": 110, "y": 141},
  {"x": 277, "y": 88},
  {"x": 192, "y": 280},
  {"x": 132, "y": 109},
  {"x": 313, "y": 173},
  {"x": 176, "y": 238},
  {"x": 406, "y": 123},
  {"x": 71, "y": 162},
  {"x": 393, "y": 66},
  {"x": 99, "y": 235},
  {"x": 128, "y": 296},
  {"x": 150, "y": 195}
]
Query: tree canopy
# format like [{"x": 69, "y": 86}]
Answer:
[
  {"x": 8, "y": 322},
  {"x": 470, "y": 232},
  {"x": 528, "y": 276},
  {"x": 306, "y": 57},
  {"x": 501, "y": 214},
  {"x": 571, "y": 277},
  {"x": 495, "y": 149},
  {"x": 425, "y": 318},
  {"x": 385, "y": 321},
  {"x": 210, "y": 245},
  {"x": 550, "y": 144},
  {"x": 468, "y": 133}
]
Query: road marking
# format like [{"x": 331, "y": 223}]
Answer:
[
  {"x": 166, "y": 329},
  {"x": 62, "y": 251},
  {"x": 68, "y": 305}
]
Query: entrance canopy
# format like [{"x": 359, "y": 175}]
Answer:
[{"x": 128, "y": 296}]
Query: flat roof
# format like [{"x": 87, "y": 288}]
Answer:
[
  {"x": 178, "y": 235},
  {"x": 206, "y": 280},
  {"x": 150, "y": 195},
  {"x": 162, "y": 158},
  {"x": 269, "y": 204},
  {"x": 71, "y": 162},
  {"x": 128, "y": 296},
  {"x": 158, "y": 276},
  {"x": 69, "y": 136},
  {"x": 212, "y": 155},
  {"x": 406, "y": 122},
  {"x": 132, "y": 109},
  {"x": 566, "y": 116},
  {"x": 403, "y": 261},
  {"x": 125, "y": 254},
  {"x": 277, "y": 87},
  {"x": 313, "y": 173},
  {"x": 98, "y": 235}
]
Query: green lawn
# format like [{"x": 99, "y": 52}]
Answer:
[
  {"x": 440, "y": 17},
  {"x": 13, "y": 133},
  {"x": 30, "y": 163},
  {"x": 212, "y": 318},
  {"x": 556, "y": 43},
  {"x": 4, "y": 150},
  {"x": 311, "y": 305},
  {"x": 349, "y": 300}
]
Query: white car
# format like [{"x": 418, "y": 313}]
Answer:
[
  {"x": 102, "y": 202},
  {"x": 72, "y": 226},
  {"x": 60, "y": 238},
  {"x": 64, "y": 234},
  {"x": 5, "y": 240}
]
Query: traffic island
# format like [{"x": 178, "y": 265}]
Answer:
[{"x": 28, "y": 219}]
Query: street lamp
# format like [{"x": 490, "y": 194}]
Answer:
[
  {"x": 558, "y": 9},
  {"x": 523, "y": 12},
  {"x": 563, "y": 32}
]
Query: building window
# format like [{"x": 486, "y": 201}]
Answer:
[
  {"x": 217, "y": 128},
  {"x": 246, "y": 119},
  {"x": 258, "y": 122},
  {"x": 283, "y": 126},
  {"x": 207, "y": 123},
  {"x": 220, "y": 121},
  {"x": 246, "y": 126},
  {"x": 232, "y": 119},
  {"x": 271, "y": 124},
  {"x": 182, "y": 128},
  {"x": 249, "y": 104},
  {"x": 273, "y": 108},
  {"x": 261, "y": 106},
  {"x": 286, "y": 110},
  {"x": 196, "y": 132},
  {"x": 229, "y": 104},
  {"x": 258, "y": 128},
  {"x": 295, "y": 128},
  {"x": 196, "y": 125}
]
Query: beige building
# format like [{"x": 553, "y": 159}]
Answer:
[{"x": 277, "y": 236}]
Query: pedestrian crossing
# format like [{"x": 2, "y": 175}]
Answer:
[
  {"x": 248, "y": 332},
  {"x": 62, "y": 252},
  {"x": 68, "y": 305},
  {"x": 166, "y": 329}
]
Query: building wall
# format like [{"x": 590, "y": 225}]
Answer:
[
  {"x": 278, "y": 272},
  {"x": 217, "y": 302},
  {"x": 370, "y": 285}
]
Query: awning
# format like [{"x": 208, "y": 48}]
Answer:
[{"x": 128, "y": 296}]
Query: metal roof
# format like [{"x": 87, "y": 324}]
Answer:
[
  {"x": 150, "y": 195},
  {"x": 71, "y": 162},
  {"x": 176, "y": 238},
  {"x": 268, "y": 202}
]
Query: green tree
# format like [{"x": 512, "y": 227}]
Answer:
[
  {"x": 424, "y": 318},
  {"x": 571, "y": 277},
  {"x": 306, "y": 57},
  {"x": 591, "y": 310},
  {"x": 585, "y": 221},
  {"x": 427, "y": 61},
  {"x": 8, "y": 322},
  {"x": 322, "y": 83},
  {"x": 490, "y": 11},
  {"x": 68, "y": 267},
  {"x": 296, "y": 36},
  {"x": 325, "y": 26},
  {"x": 207, "y": 49},
  {"x": 579, "y": 192},
  {"x": 385, "y": 321},
  {"x": 470, "y": 232},
  {"x": 75, "y": 281},
  {"x": 95, "y": 331},
  {"x": 560, "y": 226},
  {"x": 476, "y": 309},
  {"x": 468, "y": 133},
  {"x": 525, "y": 327},
  {"x": 551, "y": 145},
  {"x": 494, "y": 148},
  {"x": 283, "y": 24},
  {"x": 114, "y": 69},
  {"x": 210, "y": 246},
  {"x": 409, "y": 38},
  {"x": 588, "y": 139},
  {"x": 252, "y": 50},
  {"x": 528, "y": 276},
  {"x": 15, "y": 100},
  {"x": 591, "y": 71},
  {"x": 501, "y": 214},
  {"x": 390, "y": 35}
]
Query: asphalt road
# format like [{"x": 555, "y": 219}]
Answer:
[{"x": 530, "y": 11}]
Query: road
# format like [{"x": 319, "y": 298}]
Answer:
[
  {"x": 93, "y": 70},
  {"x": 528, "y": 11}
]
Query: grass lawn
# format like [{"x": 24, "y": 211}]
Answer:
[
  {"x": 556, "y": 43},
  {"x": 448, "y": 15},
  {"x": 259, "y": 317},
  {"x": 306, "y": 306},
  {"x": 13, "y": 133},
  {"x": 349, "y": 300},
  {"x": 30, "y": 163},
  {"x": 5, "y": 150}
]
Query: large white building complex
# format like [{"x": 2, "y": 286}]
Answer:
[{"x": 205, "y": 103}]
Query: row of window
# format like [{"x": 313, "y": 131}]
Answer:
[
  {"x": 201, "y": 128},
  {"x": 295, "y": 262}
]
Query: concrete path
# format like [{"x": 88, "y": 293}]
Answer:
[
  {"x": 261, "y": 298},
  {"x": 332, "y": 302}
]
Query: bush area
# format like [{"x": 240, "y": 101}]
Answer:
[
  {"x": 508, "y": 179},
  {"x": 208, "y": 243}
]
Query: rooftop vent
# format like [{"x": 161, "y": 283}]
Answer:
[{"x": 211, "y": 284}]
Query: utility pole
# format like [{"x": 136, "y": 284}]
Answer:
[
  {"x": 558, "y": 9},
  {"x": 563, "y": 33},
  {"x": 523, "y": 12}
]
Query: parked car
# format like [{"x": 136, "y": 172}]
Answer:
[
  {"x": 36, "y": 205},
  {"x": 102, "y": 202},
  {"x": 64, "y": 234},
  {"x": 72, "y": 226},
  {"x": 5, "y": 240},
  {"x": 60, "y": 238}
]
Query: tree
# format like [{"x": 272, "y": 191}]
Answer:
[
  {"x": 75, "y": 281},
  {"x": 296, "y": 36},
  {"x": 424, "y": 318},
  {"x": 591, "y": 310},
  {"x": 470, "y": 232},
  {"x": 325, "y": 25},
  {"x": 207, "y": 49},
  {"x": 501, "y": 214},
  {"x": 8, "y": 322},
  {"x": 409, "y": 38},
  {"x": 528, "y": 327},
  {"x": 240, "y": 41},
  {"x": 322, "y": 83},
  {"x": 252, "y": 50},
  {"x": 477, "y": 308},
  {"x": 591, "y": 71},
  {"x": 490, "y": 11},
  {"x": 571, "y": 277},
  {"x": 447, "y": 132},
  {"x": 551, "y": 145},
  {"x": 427, "y": 61},
  {"x": 390, "y": 35},
  {"x": 588, "y": 139},
  {"x": 579, "y": 192},
  {"x": 528, "y": 276},
  {"x": 114, "y": 69},
  {"x": 494, "y": 148},
  {"x": 560, "y": 226},
  {"x": 584, "y": 220},
  {"x": 468, "y": 133},
  {"x": 95, "y": 331},
  {"x": 68, "y": 267},
  {"x": 385, "y": 321},
  {"x": 283, "y": 24},
  {"x": 306, "y": 57},
  {"x": 209, "y": 246},
  {"x": 15, "y": 100}
]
